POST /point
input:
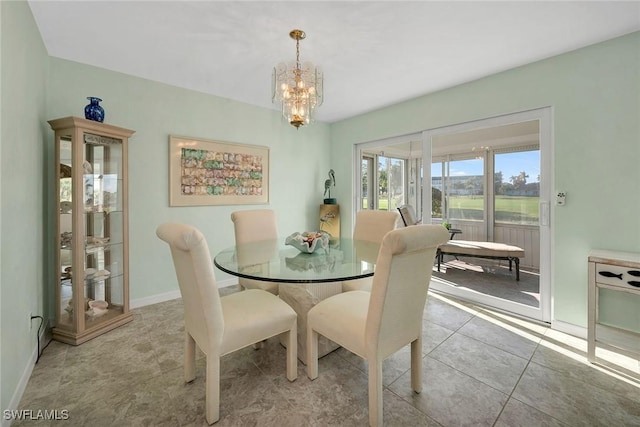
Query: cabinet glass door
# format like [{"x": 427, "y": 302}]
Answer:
[
  {"x": 103, "y": 212},
  {"x": 65, "y": 256}
]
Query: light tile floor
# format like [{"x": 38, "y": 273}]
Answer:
[{"x": 481, "y": 368}]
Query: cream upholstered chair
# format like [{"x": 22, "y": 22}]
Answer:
[
  {"x": 371, "y": 226},
  {"x": 376, "y": 324},
  {"x": 252, "y": 226},
  {"x": 221, "y": 325}
]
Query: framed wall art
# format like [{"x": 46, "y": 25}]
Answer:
[{"x": 203, "y": 172}]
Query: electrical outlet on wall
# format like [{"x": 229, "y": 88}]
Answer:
[
  {"x": 30, "y": 321},
  {"x": 561, "y": 198}
]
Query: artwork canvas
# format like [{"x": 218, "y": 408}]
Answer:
[{"x": 203, "y": 172}]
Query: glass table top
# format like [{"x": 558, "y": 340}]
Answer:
[{"x": 272, "y": 260}]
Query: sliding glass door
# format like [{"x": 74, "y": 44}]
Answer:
[
  {"x": 492, "y": 198},
  {"x": 489, "y": 179},
  {"x": 492, "y": 193}
]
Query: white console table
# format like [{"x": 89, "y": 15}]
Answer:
[{"x": 617, "y": 272}]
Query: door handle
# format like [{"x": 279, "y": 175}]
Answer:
[{"x": 544, "y": 213}]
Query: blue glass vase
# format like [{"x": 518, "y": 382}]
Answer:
[{"x": 93, "y": 110}]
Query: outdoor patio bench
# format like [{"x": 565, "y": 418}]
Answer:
[{"x": 489, "y": 250}]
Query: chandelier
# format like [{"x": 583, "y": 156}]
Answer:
[{"x": 297, "y": 87}]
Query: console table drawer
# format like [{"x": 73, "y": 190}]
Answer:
[
  {"x": 613, "y": 272},
  {"x": 615, "y": 275}
]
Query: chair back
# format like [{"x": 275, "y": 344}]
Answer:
[
  {"x": 254, "y": 258},
  {"x": 400, "y": 285},
  {"x": 372, "y": 225},
  {"x": 408, "y": 215},
  {"x": 203, "y": 316},
  {"x": 254, "y": 225},
  {"x": 366, "y": 251}
]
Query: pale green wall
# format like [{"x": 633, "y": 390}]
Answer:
[
  {"x": 299, "y": 159},
  {"x": 595, "y": 94},
  {"x": 22, "y": 283}
]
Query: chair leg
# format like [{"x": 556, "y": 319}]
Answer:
[
  {"x": 375, "y": 392},
  {"x": 312, "y": 354},
  {"x": 416, "y": 365},
  {"x": 212, "y": 389},
  {"x": 292, "y": 352},
  {"x": 189, "y": 357}
]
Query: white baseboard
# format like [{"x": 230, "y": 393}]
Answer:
[
  {"x": 154, "y": 299},
  {"x": 14, "y": 403},
  {"x": 569, "y": 328},
  {"x": 168, "y": 296}
]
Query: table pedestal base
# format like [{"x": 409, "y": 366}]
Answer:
[{"x": 303, "y": 297}]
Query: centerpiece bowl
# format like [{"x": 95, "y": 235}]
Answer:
[{"x": 308, "y": 241}]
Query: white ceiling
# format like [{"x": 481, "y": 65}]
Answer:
[{"x": 373, "y": 54}]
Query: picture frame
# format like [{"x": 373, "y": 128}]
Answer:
[{"x": 209, "y": 173}]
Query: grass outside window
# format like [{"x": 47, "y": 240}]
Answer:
[{"x": 508, "y": 209}]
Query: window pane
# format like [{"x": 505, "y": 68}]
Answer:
[
  {"x": 396, "y": 183},
  {"x": 391, "y": 181},
  {"x": 383, "y": 184},
  {"x": 465, "y": 190},
  {"x": 364, "y": 173},
  {"x": 517, "y": 187},
  {"x": 436, "y": 190}
]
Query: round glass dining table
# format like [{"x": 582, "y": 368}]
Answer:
[{"x": 273, "y": 261}]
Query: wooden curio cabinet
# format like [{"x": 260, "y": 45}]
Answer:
[{"x": 91, "y": 247}]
